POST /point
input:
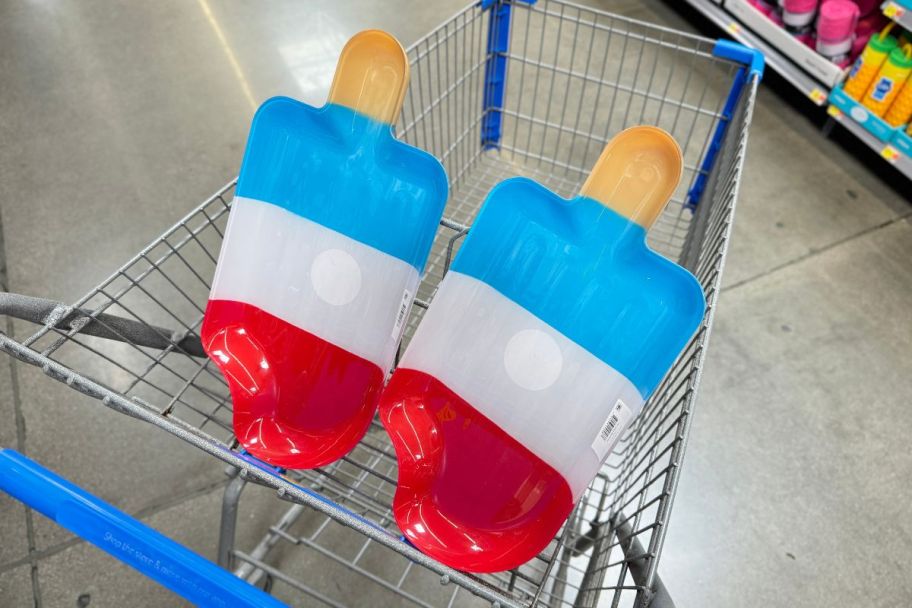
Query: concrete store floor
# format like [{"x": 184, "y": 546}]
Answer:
[{"x": 795, "y": 487}]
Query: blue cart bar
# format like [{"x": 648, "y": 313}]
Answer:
[{"x": 191, "y": 576}]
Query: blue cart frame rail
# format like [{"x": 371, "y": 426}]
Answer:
[
  {"x": 753, "y": 64},
  {"x": 191, "y": 576}
]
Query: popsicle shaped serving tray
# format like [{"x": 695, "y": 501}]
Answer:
[
  {"x": 554, "y": 325},
  {"x": 330, "y": 228}
]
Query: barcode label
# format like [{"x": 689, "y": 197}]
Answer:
[
  {"x": 609, "y": 427},
  {"x": 402, "y": 314},
  {"x": 611, "y": 430}
]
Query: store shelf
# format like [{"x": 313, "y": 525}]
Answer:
[
  {"x": 886, "y": 151},
  {"x": 799, "y": 54},
  {"x": 797, "y": 77},
  {"x": 816, "y": 89},
  {"x": 897, "y": 13}
]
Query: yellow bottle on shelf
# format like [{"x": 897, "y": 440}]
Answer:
[
  {"x": 869, "y": 63},
  {"x": 889, "y": 81},
  {"x": 901, "y": 109}
]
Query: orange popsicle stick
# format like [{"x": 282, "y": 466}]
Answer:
[
  {"x": 636, "y": 174},
  {"x": 372, "y": 76}
]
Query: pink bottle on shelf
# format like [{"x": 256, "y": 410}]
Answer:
[
  {"x": 836, "y": 29},
  {"x": 798, "y": 15}
]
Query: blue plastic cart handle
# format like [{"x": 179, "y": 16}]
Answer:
[{"x": 132, "y": 542}]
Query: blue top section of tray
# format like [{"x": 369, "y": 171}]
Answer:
[
  {"x": 586, "y": 271},
  {"x": 345, "y": 171}
]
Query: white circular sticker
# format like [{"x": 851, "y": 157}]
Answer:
[
  {"x": 859, "y": 114},
  {"x": 336, "y": 277},
  {"x": 533, "y": 359}
]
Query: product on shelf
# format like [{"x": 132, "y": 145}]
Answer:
[
  {"x": 901, "y": 109},
  {"x": 889, "y": 80},
  {"x": 798, "y": 15},
  {"x": 330, "y": 228},
  {"x": 836, "y": 28},
  {"x": 869, "y": 63},
  {"x": 875, "y": 125},
  {"x": 833, "y": 30}
]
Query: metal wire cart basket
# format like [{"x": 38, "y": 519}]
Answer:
[{"x": 504, "y": 88}]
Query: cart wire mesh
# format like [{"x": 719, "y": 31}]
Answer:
[{"x": 574, "y": 77}]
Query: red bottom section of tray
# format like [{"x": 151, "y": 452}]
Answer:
[
  {"x": 299, "y": 401},
  {"x": 468, "y": 495}
]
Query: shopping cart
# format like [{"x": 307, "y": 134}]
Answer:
[{"x": 503, "y": 88}]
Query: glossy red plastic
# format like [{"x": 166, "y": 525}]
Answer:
[
  {"x": 468, "y": 494},
  {"x": 299, "y": 407}
]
